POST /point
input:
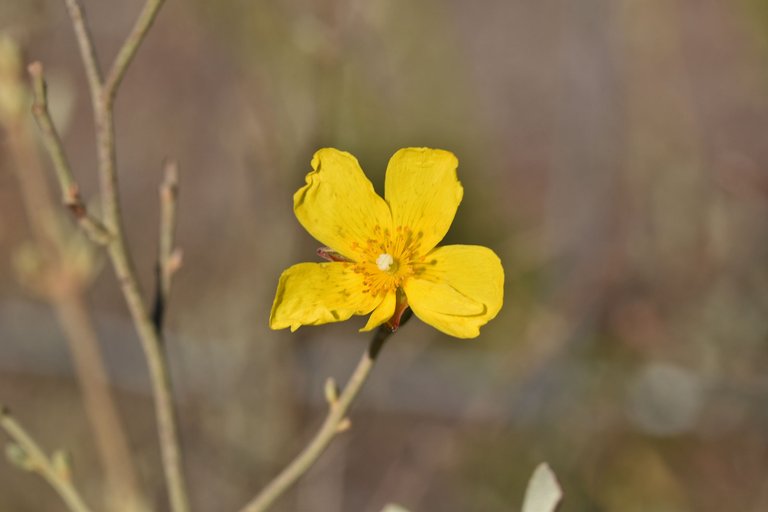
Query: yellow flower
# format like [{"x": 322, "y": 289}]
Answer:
[{"x": 383, "y": 251}]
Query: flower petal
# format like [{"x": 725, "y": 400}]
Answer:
[
  {"x": 338, "y": 205},
  {"x": 319, "y": 293},
  {"x": 382, "y": 313},
  {"x": 423, "y": 192},
  {"x": 460, "y": 289}
]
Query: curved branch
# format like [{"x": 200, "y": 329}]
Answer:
[
  {"x": 335, "y": 422},
  {"x": 37, "y": 461}
]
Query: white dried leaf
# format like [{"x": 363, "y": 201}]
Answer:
[{"x": 543, "y": 493}]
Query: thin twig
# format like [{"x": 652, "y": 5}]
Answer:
[
  {"x": 36, "y": 460},
  {"x": 87, "y": 49},
  {"x": 129, "y": 48},
  {"x": 70, "y": 191},
  {"x": 64, "y": 285},
  {"x": 335, "y": 422},
  {"x": 168, "y": 258},
  {"x": 167, "y": 424}
]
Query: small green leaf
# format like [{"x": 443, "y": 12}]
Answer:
[
  {"x": 543, "y": 493},
  {"x": 18, "y": 457}
]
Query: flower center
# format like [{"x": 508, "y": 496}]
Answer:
[
  {"x": 384, "y": 261},
  {"x": 388, "y": 258}
]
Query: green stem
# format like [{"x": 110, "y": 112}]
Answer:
[{"x": 335, "y": 422}]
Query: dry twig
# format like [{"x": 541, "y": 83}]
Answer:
[
  {"x": 70, "y": 191},
  {"x": 103, "y": 92},
  {"x": 169, "y": 257},
  {"x": 31, "y": 457}
]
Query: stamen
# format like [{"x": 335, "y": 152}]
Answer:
[{"x": 384, "y": 261}]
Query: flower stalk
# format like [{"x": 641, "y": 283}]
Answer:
[{"x": 335, "y": 422}]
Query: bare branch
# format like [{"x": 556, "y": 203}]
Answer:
[
  {"x": 64, "y": 285},
  {"x": 169, "y": 257},
  {"x": 87, "y": 50},
  {"x": 35, "y": 459},
  {"x": 103, "y": 97},
  {"x": 70, "y": 191},
  {"x": 129, "y": 48}
]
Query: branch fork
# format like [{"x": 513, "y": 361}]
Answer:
[{"x": 108, "y": 230}]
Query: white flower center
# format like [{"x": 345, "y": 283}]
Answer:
[{"x": 384, "y": 261}]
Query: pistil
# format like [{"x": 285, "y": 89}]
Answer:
[{"x": 385, "y": 261}]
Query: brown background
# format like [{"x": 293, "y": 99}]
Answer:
[{"x": 614, "y": 155}]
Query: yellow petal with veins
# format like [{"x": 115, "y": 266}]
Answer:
[
  {"x": 458, "y": 289},
  {"x": 338, "y": 205},
  {"x": 423, "y": 192},
  {"x": 319, "y": 293},
  {"x": 465, "y": 327},
  {"x": 382, "y": 313}
]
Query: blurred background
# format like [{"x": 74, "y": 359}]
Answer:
[{"x": 613, "y": 153}]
